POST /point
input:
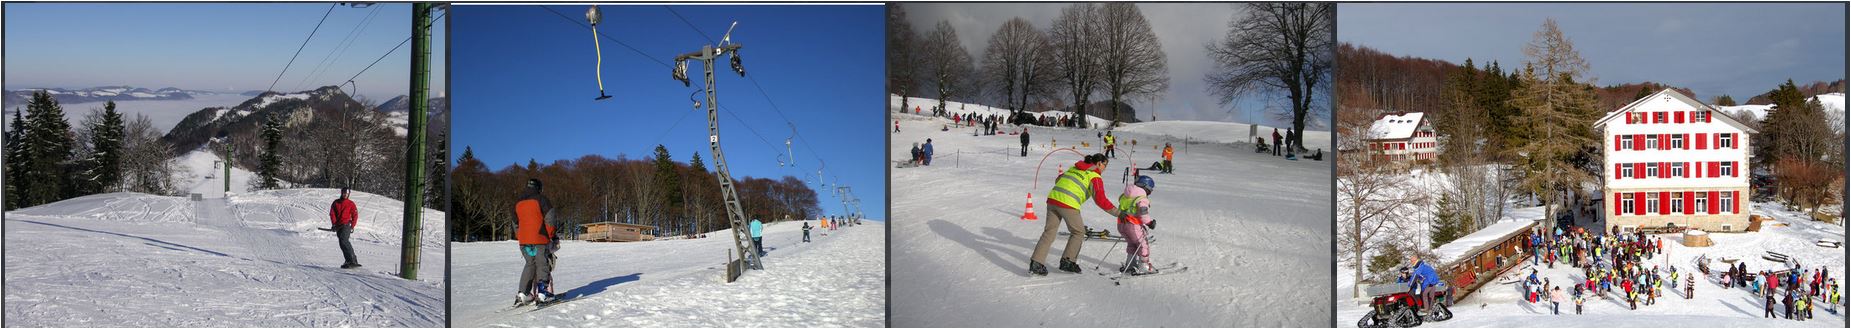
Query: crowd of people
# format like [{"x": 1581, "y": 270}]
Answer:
[{"x": 1632, "y": 268}]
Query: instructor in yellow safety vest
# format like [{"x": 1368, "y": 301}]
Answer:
[{"x": 1071, "y": 190}]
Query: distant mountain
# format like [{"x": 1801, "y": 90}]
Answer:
[
  {"x": 1811, "y": 89},
  {"x": 105, "y": 93},
  {"x": 245, "y": 119}
]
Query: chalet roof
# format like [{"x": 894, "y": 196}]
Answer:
[
  {"x": 617, "y": 224},
  {"x": 1715, "y": 114},
  {"x": 1396, "y": 126}
]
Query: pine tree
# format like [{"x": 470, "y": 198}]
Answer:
[
  {"x": 46, "y": 146},
  {"x": 13, "y": 159},
  {"x": 1557, "y": 111},
  {"x": 1724, "y": 100},
  {"x": 1449, "y": 223},
  {"x": 668, "y": 180},
  {"x": 269, "y": 161},
  {"x": 696, "y": 164},
  {"x": 102, "y": 171}
]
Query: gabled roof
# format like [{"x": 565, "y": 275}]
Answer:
[
  {"x": 1715, "y": 114},
  {"x": 1396, "y": 126}
]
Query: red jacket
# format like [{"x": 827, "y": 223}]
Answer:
[{"x": 343, "y": 213}]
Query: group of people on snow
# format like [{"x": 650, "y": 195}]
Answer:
[
  {"x": 1621, "y": 266},
  {"x": 922, "y": 155},
  {"x": 1072, "y": 189}
]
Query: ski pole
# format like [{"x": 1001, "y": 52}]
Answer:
[{"x": 1102, "y": 257}]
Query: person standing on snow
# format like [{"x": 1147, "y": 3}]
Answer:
[
  {"x": 1168, "y": 154},
  {"x": 1071, "y": 190},
  {"x": 1024, "y": 142},
  {"x": 1276, "y": 141},
  {"x": 927, "y": 151},
  {"x": 758, "y": 237},
  {"x": 345, "y": 216},
  {"x": 806, "y": 231},
  {"x": 896, "y": 126},
  {"x": 1110, "y": 142},
  {"x": 1133, "y": 219},
  {"x": 534, "y": 230}
]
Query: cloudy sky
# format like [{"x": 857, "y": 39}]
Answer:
[
  {"x": 1736, "y": 49},
  {"x": 1184, "y": 29}
]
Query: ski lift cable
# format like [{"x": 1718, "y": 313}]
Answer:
[
  {"x": 684, "y": 20},
  {"x": 608, "y": 37},
  {"x": 401, "y": 44},
  {"x": 340, "y": 48},
  {"x": 755, "y": 84},
  {"x": 305, "y": 41}
]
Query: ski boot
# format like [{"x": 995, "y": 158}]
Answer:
[
  {"x": 1069, "y": 266},
  {"x": 1036, "y": 269},
  {"x": 521, "y": 299}
]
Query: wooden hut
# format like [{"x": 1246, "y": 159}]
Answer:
[
  {"x": 1476, "y": 259},
  {"x": 616, "y": 232}
]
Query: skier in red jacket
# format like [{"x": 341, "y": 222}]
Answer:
[{"x": 345, "y": 215}]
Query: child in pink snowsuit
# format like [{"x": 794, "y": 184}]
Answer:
[{"x": 1134, "y": 218}]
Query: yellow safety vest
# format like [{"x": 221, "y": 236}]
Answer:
[
  {"x": 1073, "y": 187},
  {"x": 1109, "y": 139},
  {"x": 1128, "y": 209}
]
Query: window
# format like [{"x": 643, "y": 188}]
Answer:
[
  {"x": 1677, "y": 169},
  {"x": 1703, "y": 202},
  {"x": 1625, "y": 170},
  {"x": 1727, "y": 202},
  {"x": 1626, "y": 206},
  {"x": 1725, "y": 141},
  {"x": 1658, "y": 117},
  {"x": 1651, "y": 169},
  {"x": 1626, "y": 142},
  {"x": 1677, "y": 141},
  {"x": 1651, "y": 203},
  {"x": 1677, "y": 202},
  {"x": 1728, "y": 169},
  {"x": 1651, "y": 142}
]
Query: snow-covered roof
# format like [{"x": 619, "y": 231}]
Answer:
[
  {"x": 1471, "y": 243},
  {"x": 1724, "y": 117},
  {"x": 1396, "y": 126}
]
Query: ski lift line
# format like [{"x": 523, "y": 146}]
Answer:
[
  {"x": 401, "y": 44},
  {"x": 684, "y": 20},
  {"x": 292, "y": 58},
  {"x": 339, "y": 47},
  {"x": 608, "y": 37}
]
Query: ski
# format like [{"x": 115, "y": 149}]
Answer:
[
  {"x": 1172, "y": 268},
  {"x": 542, "y": 305}
]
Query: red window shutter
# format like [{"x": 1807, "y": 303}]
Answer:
[
  {"x": 1713, "y": 205},
  {"x": 1735, "y": 169},
  {"x": 1687, "y": 141},
  {"x": 1616, "y": 171},
  {"x": 1664, "y": 141},
  {"x": 1711, "y": 166},
  {"x": 1638, "y": 170},
  {"x": 1664, "y": 170},
  {"x": 1664, "y": 202},
  {"x": 1638, "y": 142},
  {"x": 1736, "y": 141},
  {"x": 1706, "y": 117},
  {"x": 1616, "y": 142},
  {"x": 1690, "y": 202},
  {"x": 1679, "y": 118},
  {"x": 1702, "y": 141},
  {"x": 1638, "y": 203},
  {"x": 1738, "y": 202},
  {"x": 1616, "y": 205}
]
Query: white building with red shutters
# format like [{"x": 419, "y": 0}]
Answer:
[
  {"x": 1403, "y": 137},
  {"x": 1671, "y": 160}
]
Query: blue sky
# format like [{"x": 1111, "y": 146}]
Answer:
[
  {"x": 217, "y": 47},
  {"x": 1737, "y": 49},
  {"x": 1184, "y": 29},
  {"x": 525, "y": 81}
]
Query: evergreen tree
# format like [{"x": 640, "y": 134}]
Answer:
[
  {"x": 1644, "y": 91},
  {"x": 668, "y": 180},
  {"x": 1556, "y": 111},
  {"x": 13, "y": 159},
  {"x": 46, "y": 149},
  {"x": 1449, "y": 223},
  {"x": 103, "y": 168},
  {"x": 696, "y": 164},
  {"x": 1795, "y": 128},
  {"x": 269, "y": 160}
]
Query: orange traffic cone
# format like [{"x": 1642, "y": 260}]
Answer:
[{"x": 1029, "y": 210}]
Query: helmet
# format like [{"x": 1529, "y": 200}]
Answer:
[{"x": 1149, "y": 184}]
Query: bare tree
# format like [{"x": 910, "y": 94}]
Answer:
[
  {"x": 1369, "y": 193},
  {"x": 1131, "y": 58},
  {"x": 1005, "y": 58},
  {"x": 902, "y": 55},
  {"x": 948, "y": 66},
  {"x": 148, "y": 164},
  {"x": 1075, "y": 36},
  {"x": 1277, "y": 47}
]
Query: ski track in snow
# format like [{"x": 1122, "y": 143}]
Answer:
[
  {"x": 255, "y": 260},
  {"x": 835, "y": 281},
  {"x": 1253, "y": 228}
]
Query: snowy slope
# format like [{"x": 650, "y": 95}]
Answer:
[
  {"x": 1252, "y": 228},
  {"x": 199, "y": 175},
  {"x": 1502, "y": 305},
  {"x": 834, "y": 281},
  {"x": 253, "y": 260},
  {"x": 1199, "y": 131}
]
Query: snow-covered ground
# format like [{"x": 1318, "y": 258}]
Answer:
[
  {"x": 1253, "y": 229},
  {"x": 1502, "y": 305},
  {"x": 251, "y": 260},
  {"x": 200, "y": 172},
  {"x": 834, "y": 281},
  {"x": 1199, "y": 131}
]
